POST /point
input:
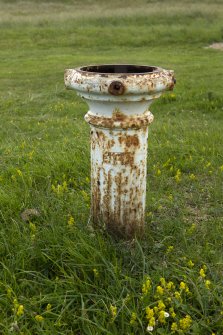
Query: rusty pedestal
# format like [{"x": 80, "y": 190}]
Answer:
[{"x": 119, "y": 97}]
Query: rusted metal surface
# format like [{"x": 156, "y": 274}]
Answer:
[
  {"x": 119, "y": 97},
  {"x": 118, "y": 178}
]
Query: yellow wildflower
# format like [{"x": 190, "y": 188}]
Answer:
[
  {"x": 159, "y": 290},
  {"x": 59, "y": 189},
  {"x": 184, "y": 287},
  {"x": 167, "y": 163},
  {"x": 202, "y": 273},
  {"x": 192, "y": 228},
  {"x": 158, "y": 172},
  {"x": 19, "y": 172},
  {"x": 170, "y": 248},
  {"x": 185, "y": 323},
  {"x": 48, "y": 307},
  {"x": 113, "y": 311},
  {"x": 30, "y": 154},
  {"x": 170, "y": 197},
  {"x": 146, "y": 286},
  {"x": 20, "y": 310},
  {"x": 156, "y": 309},
  {"x": 163, "y": 282},
  {"x": 178, "y": 176},
  {"x": 161, "y": 305},
  {"x": 177, "y": 295},
  {"x": 207, "y": 284},
  {"x": 32, "y": 227},
  {"x": 127, "y": 298},
  {"x": 192, "y": 176},
  {"x": 9, "y": 292},
  {"x": 161, "y": 317},
  {"x": 152, "y": 322},
  {"x": 15, "y": 304},
  {"x": 39, "y": 318},
  {"x": 170, "y": 286},
  {"x": 53, "y": 187},
  {"x": 190, "y": 263},
  {"x": 22, "y": 146},
  {"x": 172, "y": 312},
  {"x": 64, "y": 185},
  {"x": 70, "y": 221},
  {"x": 96, "y": 273},
  {"x": 133, "y": 318},
  {"x": 174, "y": 327},
  {"x": 149, "y": 313}
]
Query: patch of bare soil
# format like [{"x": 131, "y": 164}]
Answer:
[{"x": 218, "y": 46}]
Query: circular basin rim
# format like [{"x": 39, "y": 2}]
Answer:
[{"x": 119, "y": 69}]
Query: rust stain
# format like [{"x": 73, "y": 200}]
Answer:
[
  {"x": 118, "y": 199},
  {"x": 111, "y": 143},
  {"x": 107, "y": 197},
  {"x": 119, "y": 120},
  {"x": 172, "y": 84},
  {"x": 118, "y": 158},
  {"x": 129, "y": 140},
  {"x": 100, "y": 135},
  {"x": 95, "y": 194},
  {"x": 117, "y": 115}
]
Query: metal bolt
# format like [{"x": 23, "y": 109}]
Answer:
[{"x": 116, "y": 88}]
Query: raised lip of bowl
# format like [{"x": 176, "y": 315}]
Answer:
[
  {"x": 137, "y": 86},
  {"x": 121, "y": 73}
]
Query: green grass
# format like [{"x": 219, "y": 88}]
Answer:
[{"x": 92, "y": 283}]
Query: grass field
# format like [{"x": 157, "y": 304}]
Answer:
[{"x": 57, "y": 274}]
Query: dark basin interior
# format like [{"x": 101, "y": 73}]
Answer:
[{"x": 119, "y": 68}]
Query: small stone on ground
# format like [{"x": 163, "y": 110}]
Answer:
[{"x": 29, "y": 213}]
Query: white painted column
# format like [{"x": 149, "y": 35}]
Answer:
[{"x": 119, "y": 119}]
